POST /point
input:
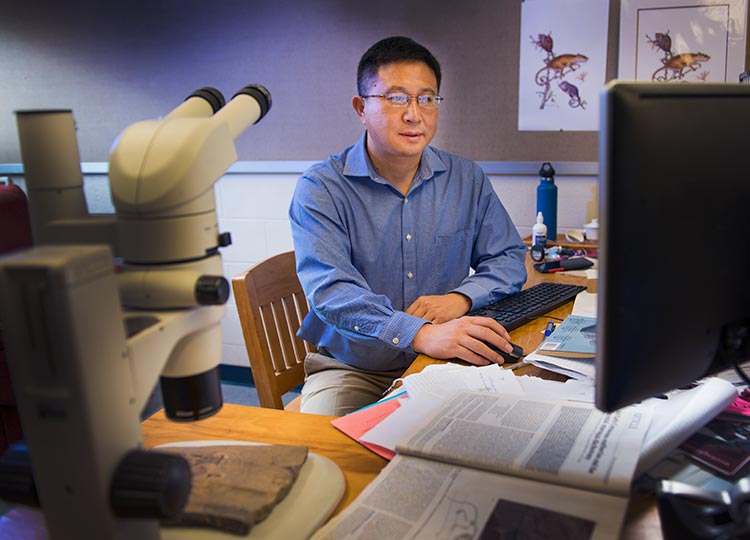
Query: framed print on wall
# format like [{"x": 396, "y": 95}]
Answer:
[
  {"x": 562, "y": 64},
  {"x": 672, "y": 41}
]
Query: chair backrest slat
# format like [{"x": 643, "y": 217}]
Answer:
[{"x": 271, "y": 306}]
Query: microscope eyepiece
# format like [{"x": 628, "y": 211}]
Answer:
[
  {"x": 261, "y": 94},
  {"x": 211, "y": 95}
]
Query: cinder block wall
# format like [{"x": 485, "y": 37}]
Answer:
[{"x": 253, "y": 208}]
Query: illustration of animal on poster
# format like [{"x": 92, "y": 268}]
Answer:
[
  {"x": 562, "y": 64},
  {"x": 668, "y": 41}
]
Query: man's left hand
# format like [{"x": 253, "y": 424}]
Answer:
[{"x": 440, "y": 308}]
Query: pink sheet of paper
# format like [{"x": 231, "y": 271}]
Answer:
[{"x": 360, "y": 422}]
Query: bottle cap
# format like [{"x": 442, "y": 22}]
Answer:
[
  {"x": 593, "y": 225},
  {"x": 547, "y": 170},
  {"x": 539, "y": 218}
]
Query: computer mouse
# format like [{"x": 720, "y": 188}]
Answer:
[{"x": 512, "y": 357}]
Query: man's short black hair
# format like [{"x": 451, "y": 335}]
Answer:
[{"x": 389, "y": 50}]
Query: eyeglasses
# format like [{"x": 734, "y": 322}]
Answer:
[{"x": 425, "y": 101}]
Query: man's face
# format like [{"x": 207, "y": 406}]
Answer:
[{"x": 394, "y": 132}]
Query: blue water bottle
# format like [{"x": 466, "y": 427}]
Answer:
[{"x": 546, "y": 199}]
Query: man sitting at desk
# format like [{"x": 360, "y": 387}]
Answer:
[{"x": 385, "y": 234}]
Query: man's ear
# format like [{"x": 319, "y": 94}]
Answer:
[{"x": 358, "y": 103}]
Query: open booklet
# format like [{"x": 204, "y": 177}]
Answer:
[
  {"x": 576, "y": 366},
  {"x": 575, "y": 337},
  {"x": 487, "y": 463}
]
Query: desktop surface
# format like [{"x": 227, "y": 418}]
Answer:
[{"x": 240, "y": 422}]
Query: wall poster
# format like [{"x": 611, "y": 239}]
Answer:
[
  {"x": 562, "y": 65},
  {"x": 672, "y": 41}
]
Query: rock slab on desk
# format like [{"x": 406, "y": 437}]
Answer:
[{"x": 236, "y": 486}]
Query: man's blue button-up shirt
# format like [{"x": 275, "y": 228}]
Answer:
[{"x": 365, "y": 251}]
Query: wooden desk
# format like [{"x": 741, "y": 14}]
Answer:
[{"x": 359, "y": 465}]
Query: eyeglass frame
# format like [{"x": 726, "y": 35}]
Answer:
[{"x": 437, "y": 100}]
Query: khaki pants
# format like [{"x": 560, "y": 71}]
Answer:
[{"x": 333, "y": 388}]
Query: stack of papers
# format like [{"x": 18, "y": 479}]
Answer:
[
  {"x": 482, "y": 463},
  {"x": 480, "y": 460},
  {"x": 575, "y": 368},
  {"x": 380, "y": 425}
]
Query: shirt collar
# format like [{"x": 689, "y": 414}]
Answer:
[{"x": 358, "y": 163}]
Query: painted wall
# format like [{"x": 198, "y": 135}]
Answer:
[{"x": 116, "y": 63}]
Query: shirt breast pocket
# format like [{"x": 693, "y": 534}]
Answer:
[{"x": 452, "y": 258}]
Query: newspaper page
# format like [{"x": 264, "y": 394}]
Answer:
[
  {"x": 566, "y": 443},
  {"x": 416, "y": 498}
]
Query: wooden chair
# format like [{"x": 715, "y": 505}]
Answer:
[{"x": 271, "y": 306}]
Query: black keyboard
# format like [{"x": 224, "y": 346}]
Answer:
[{"x": 513, "y": 311}]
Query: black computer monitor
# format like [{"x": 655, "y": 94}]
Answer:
[{"x": 674, "y": 212}]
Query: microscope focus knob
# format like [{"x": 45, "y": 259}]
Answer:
[
  {"x": 211, "y": 290},
  {"x": 150, "y": 485}
]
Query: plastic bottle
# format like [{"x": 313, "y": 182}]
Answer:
[
  {"x": 539, "y": 231},
  {"x": 546, "y": 199}
]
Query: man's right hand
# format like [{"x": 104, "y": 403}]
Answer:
[{"x": 465, "y": 338}]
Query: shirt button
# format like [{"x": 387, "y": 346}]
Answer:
[
  {"x": 410, "y": 275},
  {"x": 395, "y": 341},
  {"x": 408, "y": 237},
  {"x": 406, "y": 200},
  {"x": 356, "y": 328}
]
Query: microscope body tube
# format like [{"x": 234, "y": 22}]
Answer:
[
  {"x": 157, "y": 167},
  {"x": 162, "y": 174},
  {"x": 238, "y": 115},
  {"x": 201, "y": 103},
  {"x": 54, "y": 183}
]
